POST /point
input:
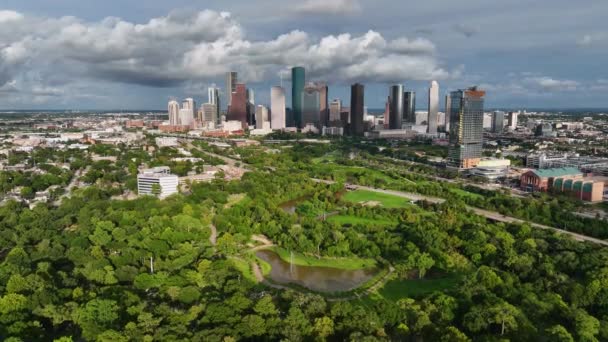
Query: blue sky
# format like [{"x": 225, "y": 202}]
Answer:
[{"x": 132, "y": 54}]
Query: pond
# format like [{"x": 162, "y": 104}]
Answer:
[
  {"x": 321, "y": 279},
  {"x": 290, "y": 206}
]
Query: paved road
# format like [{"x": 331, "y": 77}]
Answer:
[{"x": 492, "y": 215}]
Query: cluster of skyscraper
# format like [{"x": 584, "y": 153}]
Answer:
[{"x": 311, "y": 110}]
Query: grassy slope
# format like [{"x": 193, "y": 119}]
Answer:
[
  {"x": 352, "y": 263},
  {"x": 349, "y": 219},
  {"x": 387, "y": 201}
]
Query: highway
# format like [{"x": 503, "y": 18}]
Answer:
[{"x": 492, "y": 215}]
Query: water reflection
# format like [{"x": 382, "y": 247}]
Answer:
[{"x": 322, "y": 279}]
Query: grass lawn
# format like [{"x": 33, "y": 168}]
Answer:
[
  {"x": 386, "y": 200},
  {"x": 353, "y": 263},
  {"x": 234, "y": 199},
  {"x": 401, "y": 288},
  {"x": 465, "y": 194},
  {"x": 349, "y": 219},
  {"x": 244, "y": 266}
]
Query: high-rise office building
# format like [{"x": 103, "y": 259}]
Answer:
[
  {"x": 231, "y": 80},
  {"x": 498, "y": 121},
  {"x": 357, "y": 98},
  {"x": 250, "y": 107},
  {"x": 250, "y": 96},
  {"x": 448, "y": 106},
  {"x": 173, "y": 110},
  {"x": 238, "y": 108},
  {"x": 409, "y": 107},
  {"x": 186, "y": 117},
  {"x": 513, "y": 120},
  {"x": 311, "y": 106},
  {"x": 396, "y": 107},
  {"x": 277, "y": 107},
  {"x": 298, "y": 77},
  {"x": 323, "y": 103},
  {"x": 188, "y": 111},
  {"x": 208, "y": 113},
  {"x": 261, "y": 117},
  {"x": 466, "y": 127},
  {"x": 335, "y": 107},
  {"x": 214, "y": 99},
  {"x": 433, "y": 107}
]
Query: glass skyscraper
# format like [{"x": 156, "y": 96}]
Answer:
[
  {"x": 396, "y": 107},
  {"x": 298, "y": 77},
  {"x": 409, "y": 107},
  {"x": 356, "y": 109},
  {"x": 311, "y": 106},
  {"x": 466, "y": 128}
]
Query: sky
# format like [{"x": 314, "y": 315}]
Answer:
[{"x": 132, "y": 54}]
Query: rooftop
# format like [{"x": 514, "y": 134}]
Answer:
[{"x": 557, "y": 172}]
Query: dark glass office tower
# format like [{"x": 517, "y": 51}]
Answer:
[
  {"x": 311, "y": 112},
  {"x": 298, "y": 78},
  {"x": 396, "y": 107},
  {"x": 466, "y": 128},
  {"x": 357, "y": 95},
  {"x": 409, "y": 107}
]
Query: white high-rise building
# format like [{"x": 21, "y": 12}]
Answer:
[
  {"x": 261, "y": 117},
  {"x": 185, "y": 117},
  {"x": 173, "y": 110},
  {"x": 157, "y": 181},
  {"x": 277, "y": 107},
  {"x": 335, "y": 108},
  {"x": 433, "y": 107},
  {"x": 188, "y": 112}
]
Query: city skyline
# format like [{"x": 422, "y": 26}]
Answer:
[{"x": 88, "y": 58}]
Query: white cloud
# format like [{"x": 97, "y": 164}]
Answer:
[
  {"x": 328, "y": 7},
  {"x": 6, "y": 16},
  {"x": 185, "y": 47},
  {"x": 551, "y": 84},
  {"x": 592, "y": 39}
]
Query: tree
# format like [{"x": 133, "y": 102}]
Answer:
[
  {"x": 323, "y": 327},
  {"x": 558, "y": 333}
]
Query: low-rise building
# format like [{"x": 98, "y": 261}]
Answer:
[
  {"x": 542, "y": 179},
  {"x": 157, "y": 182}
]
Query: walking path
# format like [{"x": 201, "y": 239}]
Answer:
[{"x": 213, "y": 237}]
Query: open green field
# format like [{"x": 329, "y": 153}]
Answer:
[
  {"x": 401, "y": 288},
  {"x": 353, "y": 263},
  {"x": 465, "y": 194},
  {"x": 386, "y": 200},
  {"x": 349, "y": 219}
]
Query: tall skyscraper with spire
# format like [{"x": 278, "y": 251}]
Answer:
[
  {"x": 466, "y": 128},
  {"x": 433, "y": 107},
  {"x": 298, "y": 77}
]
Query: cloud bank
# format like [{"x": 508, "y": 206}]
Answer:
[{"x": 182, "y": 47}]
